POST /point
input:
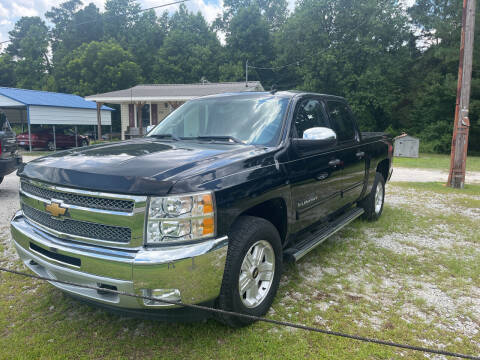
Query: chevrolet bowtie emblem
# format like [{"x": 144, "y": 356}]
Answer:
[{"x": 55, "y": 209}]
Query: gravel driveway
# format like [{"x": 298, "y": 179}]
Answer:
[{"x": 428, "y": 175}]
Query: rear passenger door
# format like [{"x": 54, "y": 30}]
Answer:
[{"x": 349, "y": 149}]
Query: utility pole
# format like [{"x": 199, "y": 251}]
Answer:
[
  {"x": 246, "y": 73},
  {"x": 458, "y": 156}
]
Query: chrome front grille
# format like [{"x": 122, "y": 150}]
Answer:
[
  {"x": 85, "y": 216},
  {"x": 79, "y": 200},
  {"x": 79, "y": 228}
]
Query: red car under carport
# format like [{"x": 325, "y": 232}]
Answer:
[{"x": 44, "y": 139}]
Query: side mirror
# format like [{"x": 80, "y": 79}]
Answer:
[
  {"x": 150, "y": 128},
  {"x": 315, "y": 139}
]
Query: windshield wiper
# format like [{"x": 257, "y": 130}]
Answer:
[
  {"x": 226, "y": 138},
  {"x": 166, "y": 136}
]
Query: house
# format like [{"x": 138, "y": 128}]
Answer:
[
  {"x": 145, "y": 105},
  {"x": 406, "y": 146},
  {"x": 32, "y": 107}
]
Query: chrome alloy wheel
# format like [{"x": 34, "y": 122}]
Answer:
[
  {"x": 256, "y": 274},
  {"x": 379, "y": 197}
]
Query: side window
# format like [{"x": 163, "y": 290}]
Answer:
[
  {"x": 309, "y": 114},
  {"x": 342, "y": 120}
]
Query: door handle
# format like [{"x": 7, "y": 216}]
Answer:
[
  {"x": 334, "y": 163},
  {"x": 360, "y": 154}
]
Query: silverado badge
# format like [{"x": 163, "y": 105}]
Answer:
[{"x": 55, "y": 209}]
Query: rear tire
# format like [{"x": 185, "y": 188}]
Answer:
[
  {"x": 373, "y": 203},
  {"x": 51, "y": 146},
  {"x": 254, "y": 259}
]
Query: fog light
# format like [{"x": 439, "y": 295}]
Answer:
[{"x": 161, "y": 294}]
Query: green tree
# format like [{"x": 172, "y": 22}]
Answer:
[
  {"x": 97, "y": 67},
  {"x": 274, "y": 12},
  {"x": 351, "y": 49},
  {"x": 7, "y": 71},
  {"x": 61, "y": 17},
  {"x": 120, "y": 17},
  {"x": 29, "y": 42},
  {"x": 432, "y": 92},
  {"x": 189, "y": 52}
]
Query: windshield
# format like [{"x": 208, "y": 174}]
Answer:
[{"x": 248, "y": 119}]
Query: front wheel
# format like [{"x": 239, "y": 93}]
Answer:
[
  {"x": 84, "y": 143},
  {"x": 252, "y": 270},
  {"x": 373, "y": 203}
]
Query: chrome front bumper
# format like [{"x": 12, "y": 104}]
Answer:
[{"x": 195, "y": 270}]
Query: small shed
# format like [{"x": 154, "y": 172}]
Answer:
[
  {"x": 406, "y": 146},
  {"x": 32, "y": 107}
]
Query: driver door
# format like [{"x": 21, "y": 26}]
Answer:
[{"x": 316, "y": 183}]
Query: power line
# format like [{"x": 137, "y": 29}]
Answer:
[
  {"x": 252, "y": 317},
  {"x": 137, "y": 12}
]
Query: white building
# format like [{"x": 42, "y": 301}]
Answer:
[{"x": 152, "y": 103}]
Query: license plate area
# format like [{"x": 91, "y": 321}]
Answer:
[{"x": 56, "y": 256}]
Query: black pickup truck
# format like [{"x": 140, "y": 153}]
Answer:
[
  {"x": 207, "y": 207},
  {"x": 9, "y": 158}
]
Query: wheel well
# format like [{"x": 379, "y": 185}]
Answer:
[
  {"x": 275, "y": 211},
  {"x": 383, "y": 168}
]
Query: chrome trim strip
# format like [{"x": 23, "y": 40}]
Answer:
[
  {"x": 73, "y": 237},
  {"x": 134, "y": 198},
  {"x": 69, "y": 206}
]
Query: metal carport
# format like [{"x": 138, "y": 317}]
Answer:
[{"x": 48, "y": 108}]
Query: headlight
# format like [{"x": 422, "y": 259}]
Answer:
[{"x": 180, "y": 218}]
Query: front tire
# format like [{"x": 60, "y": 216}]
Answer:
[
  {"x": 373, "y": 203},
  {"x": 252, "y": 270}
]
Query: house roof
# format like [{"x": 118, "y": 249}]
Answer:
[
  {"x": 173, "y": 92},
  {"x": 45, "y": 98}
]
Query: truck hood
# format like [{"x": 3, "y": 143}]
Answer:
[{"x": 139, "y": 167}]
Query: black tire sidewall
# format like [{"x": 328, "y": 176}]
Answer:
[
  {"x": 244, "y": 234},
  {"x": 53, "y": 146}
]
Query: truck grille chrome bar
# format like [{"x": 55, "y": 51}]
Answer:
[
  {"x": 73, "y": 198},
  {"x": 85, "y": 216},
  {"x": 78, "y": 228}
]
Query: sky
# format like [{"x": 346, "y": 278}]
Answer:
[{"x": 12, "y": 10}]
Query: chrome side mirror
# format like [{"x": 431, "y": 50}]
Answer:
[
  {"x": 150, "y": 128},
  {"x": 314, "y": 140},
  {"x": 320, "y": 133}
]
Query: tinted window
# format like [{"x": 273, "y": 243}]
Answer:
[
  {"x": 342, "y": 120},
  {"x": 309, "y": 114}
]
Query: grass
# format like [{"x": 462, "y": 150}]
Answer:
[
  {"x": 350, "y": 283},
  {"x": 435, "y": 161}
]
